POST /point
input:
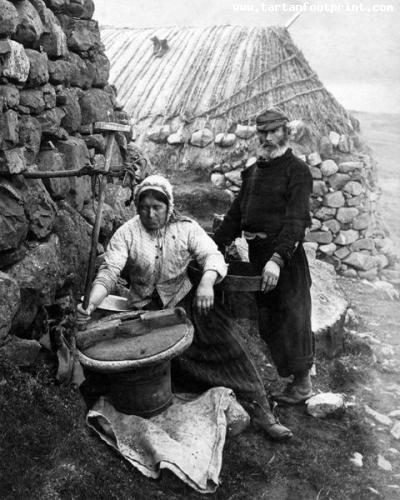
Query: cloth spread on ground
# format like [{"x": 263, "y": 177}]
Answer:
[{"x": 188, "y": 438}]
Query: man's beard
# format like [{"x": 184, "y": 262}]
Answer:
[{"x": 269, "y": 150}]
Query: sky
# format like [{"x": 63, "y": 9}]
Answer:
[{"x": 353, "y": 46}]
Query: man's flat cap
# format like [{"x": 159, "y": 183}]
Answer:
[{"x": 270, "y": 119}]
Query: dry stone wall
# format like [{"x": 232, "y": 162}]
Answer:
[{"x": 53, "y": 88}]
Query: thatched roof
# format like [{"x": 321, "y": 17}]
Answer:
[{"x": 224, "y": 74}]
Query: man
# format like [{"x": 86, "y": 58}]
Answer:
[{"x": 272, "y": 212}]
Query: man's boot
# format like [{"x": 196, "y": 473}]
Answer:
[
  {"x": 298, "y": 391},
  {"x": 263, "y": 419}
]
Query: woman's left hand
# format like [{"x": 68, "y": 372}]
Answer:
[{"x": 204, "y": 298}]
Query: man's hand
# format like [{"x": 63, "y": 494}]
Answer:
[
  {"x": 83, "y": 315},
  {"x": 270, "y": 276},
  {"x": 205, "y": 292}
]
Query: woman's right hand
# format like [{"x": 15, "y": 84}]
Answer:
[{"x": 83, "y": 315}]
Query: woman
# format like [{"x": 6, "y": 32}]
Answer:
[{"x": 156, "y": 247}]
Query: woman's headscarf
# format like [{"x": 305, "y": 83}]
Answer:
[{"x": 156, "y": 183}]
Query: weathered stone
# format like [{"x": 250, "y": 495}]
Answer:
[
  {"x": 395, "y": 431},
  {"x": 13, "y": 223},
  {"x": 349, "y": 273},
  {"x": 9, "y": 128},
  {"x": 234, "y": 176},
  {"x": 9, "y": 301},
  {"x": 361, "y": 222},
  {"x": 218, "y": 179},
  {"x": 8, "y": 18},
  {"x": 96, "y": 105},
  {"x": 319, "y": 188},
  {"x": 53, "y": 160},
  {"x": 49, "y": 96},
  {"x": 325, "y": 213},
  {"x": 331, "y": 225},
  {"x": 53, "y": 41},
  {"x": 118, "y": 197},
  {"x": 334, "y": 137},
  {"x": 316, "y": 172},
  {"x": 360, "y": 261},
  {"x": 38, "y": 275},
  {"x": 82, "y": 35},
  {"x": 347, "y": 237},
  {"x": 107, "y": 221},
  {"x": 354, "y": 188},
  {"x": 315, "y": 224},
  {"x": 357, "y": 201},
  {"x": 325, "y": 148},
  {"x": 33, "y": 99},
  {"x": 60, "y": 71},
  {"x": 346, "y": 214},
  {"x": 381, "y": 260},
  {"x": 334, "y": 199},
  {"x": 15, "y": 63},
  {"x": 74, "y": 8},
  {"x": 20, "y": 352},
  {"x": 73, "y": 116},
  {"x": 328, "y": 249},
  {"x": 76, "y": 155},
  {"x": 363, "y": 244},
  {"x": 30, "y": 26},
  {"x": 314, "y": 159},
  {"x": 326, "y": 404},
  {"x": 369, "y": 275},
  {"x": 88, "y": 9},
  {"x": 101, "y": 69},
  {"x": 56, "y": 6},
  {"x": 39, "y": 208},
  {"x": 38, "y": 71},
  {"x": 328, "y": 168},
  {"x": 344, "y": 144},
  {"x": 30, "y": 135},
  {"x": 349, "y": 166},
  {"x": 245, "y": 131},
  {"x": 10, "y": 95},
  {"x": 342, "y": 252},
  {"x": 50, "y": 121},
  {"x": 323, "y": 237},
  {"x": 12, "y": 161},
  {"x": 338, "y": 181}
]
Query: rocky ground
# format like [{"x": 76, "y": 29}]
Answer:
[{"x": 46, "y": 451}]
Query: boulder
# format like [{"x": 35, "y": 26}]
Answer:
[
  {"x": 218, "y": 179},
  {"x": 225, "y": 140},
  {"x": 202, "y": 137},
  {"x": 60, "y": 71},
  {"x": 9, "y": 301},
  {"x": 316, "y": 172},
  {"x": 101, "y": 69},
  {"x": 315, "y": 224},
  {"x": 10, "y": 95},
  {"x": 82, "y": 35},
  {"x": 334, "y": 199},
  {"x": 50, "y": 121},
  {"x": 49, "y": 160},
  {"x": 14, "y": 63},
  {"x": 30, "y": 26},
  {"x": 325, "y": 213},
  {"x": 328, "y": 249},
  {"x": 349, "y": 166},
  {"x": 323, "y": 237},
  {"x": 245, "y": 131},
  {"x": 314, "y": 159},
  {"x": 328, "y": 168},
  {"x": 360, "y": 261},
  {"x": 328, "y": 308},
  {"x": 346, "y": 214},
  {"x": 347, "y": 237},
  {"x": 96, "y": 105},
  {"x": 38, "y": 69},
  {"x": 361, "y": 222},
  {"x": 8, "y": 19},
  {"x": 30, "y": 134},
  {"x": 118, "y": 198},
  {"x": 363, "y": 244},
  {"x": 325, "y": 148},
  {"x": 13, "y": 222},
  {"x": 81, "y": 75},
  {"x": 39, "y": 208},
  {"x": 96, "y": 141},
  {"x": 33, "y": 99},
  {"x": 20, "y": 352},
  {"x": 12, "y": 161},
  {"x": 72, "y": 119},
  {"x": 326, "y": 404},
  {"x": 334, "y": 137},
  {"x": 342, "y": 252},
  {"x": 9, "y": 128},
  {"x": 369, "y": 275},
  {"x": 234, "y": 176},
  {"x": 53, "y": 41},
  {"x": 357, "y": 201},
  {"x": 49, "y": 96},
  {"x": 331, "y": 225},
  {"x": 354, "y": 188},
  {"x": 319, "y": 188},
  {"x": 338, "y": 181},
  {"x": 76, "y": 155}
]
